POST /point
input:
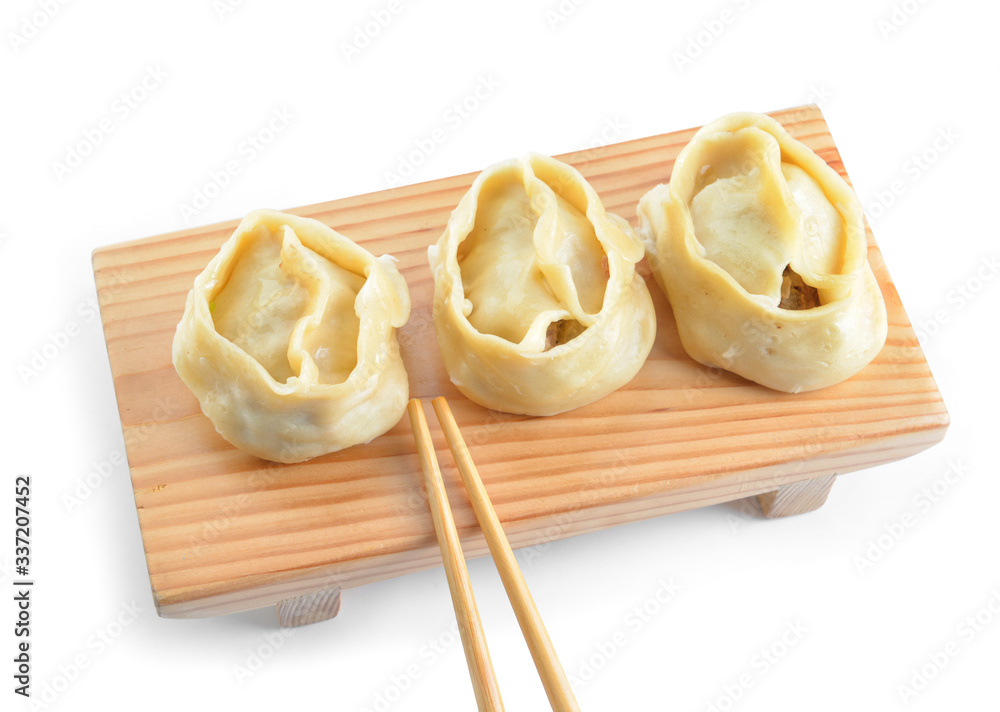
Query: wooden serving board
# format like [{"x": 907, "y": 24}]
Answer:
[{"x": 224, "y": 532}]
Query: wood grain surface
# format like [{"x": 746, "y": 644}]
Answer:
[{"x": 224, "y": 532}]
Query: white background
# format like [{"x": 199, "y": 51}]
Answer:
[{"x": 891, "y": 79}]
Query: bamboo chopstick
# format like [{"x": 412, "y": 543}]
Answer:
[
  {"x": 557, "y": 686},
  {"x": 477, "y": 655}
]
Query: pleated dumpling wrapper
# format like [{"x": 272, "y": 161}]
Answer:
[
  {"x": 761, "y": 249},
  {"x": 537, "y": 305},
  {"x": 288, "y": 339}
]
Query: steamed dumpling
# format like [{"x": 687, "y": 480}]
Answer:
[
  {"x": 538, "y": 308},
  {"x": 288, "y": 339},
  {"x": 761, "y": 249}
]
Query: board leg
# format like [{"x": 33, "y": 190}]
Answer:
[
  {"x": 311, "y": 608},
  {"x": 797, "y": 498}
]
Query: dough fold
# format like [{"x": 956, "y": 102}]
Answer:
[{"x": 288, "y": 339}]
